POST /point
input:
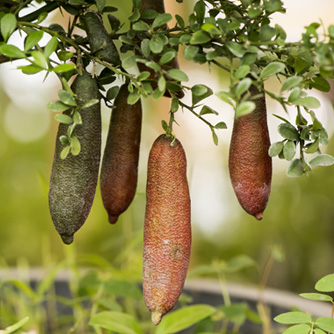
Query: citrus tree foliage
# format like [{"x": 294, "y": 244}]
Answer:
[{"x": 234, "y": 35}]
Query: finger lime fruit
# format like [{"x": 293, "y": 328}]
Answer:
[
  {"x": 159, "y": 7},
  {"x": 167, "y": 228},
  {"x": 73, "y": 180},
  {"x": 101, "y": 44},
  {"x": 250, "y": 165},
  {"x": 119, "y": 171}
]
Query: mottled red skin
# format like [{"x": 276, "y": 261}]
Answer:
[
  {"x": 250, "y": 165},
  {"x": 167, "y": 230},
  {"x": 119, "y": 170}
]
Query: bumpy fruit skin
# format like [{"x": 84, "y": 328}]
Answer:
[
  {"x": 73, "y": 180},
  {"x": 250, "y": 165},
  {"x": 167, "y": 229},
  {"x": 99, "y": 40},
  {"x": 158, "y": 6},
  {"x": 119, "y": 171}
]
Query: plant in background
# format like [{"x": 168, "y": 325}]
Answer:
[
  {"x": 303, "y": 323},
  {"x": 236, "y": 37}
]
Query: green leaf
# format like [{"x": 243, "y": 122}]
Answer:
[
  {"x": 200, "y": 37},
  {"x": 308, "y": 102},
  {"x": 64, "y": 55},
  {"x": 242, "y": 71},
  {"x": 7, "y": 25},
  {"x": 327, "y": 324},
  {"x": 161, "y": 19},
  {"x": 185, "y": 317},
  {"x": 272, "y": 69},
  {"x": 57, "y": 106},
  {"x": 322, "y": 160},
  {"x": 190, "y": 51},
  {"x": 211, "y": 29},
  {"x": 39, "y": 59},
  {"x": 112, "y": 93},
  {"x": 156, "y": 44},
  {"x": 77, "y": 117},
  {"x": 275, "y": 149},
  {"x": 41, "y": 17},
  {"x": 75, "y": 145},
  {"x": 290, "y": 318},
  {"x": 294, "y": 95},
  {"x": 67, "y": 98},
  {"x": 295, "y": 168},
  {"x": 63, "y": 68},
  {"x": 30, "y": 69},
  {"x": 167, "y": 57},
  {"x": 177, "y": 75},
  {"x": 236, "y": 49},
  {"x": 140, "y": 26},
  {"x": 288, "y": 131},
  {"x": 325, "y": 284},
  {"x": 267, "y": 33},
  {"x": 243, "y": 86},
  {"x": 133, "y": 97},
  {"x": 220, "y": 125},
  {"x": 298, "y": 329},
  {"x": 317, "y": 296},
  {"x": 313, "y": 147},
  {"x": 51, "y": 47},
  {"x": 291, "y": 82},
  {"x": 11, "y": 51},
  {"x": 207, "y": 110},
  {"x": 90, "y": 103},
  {"x": 100, "y": 4},
  {"x": 321, "y": 84},
  {"x": 13, "y": 328},
  {"x": 116, "y": 321},
  {"x": 225, "y": 96},
  {"x": 64, "y": 152},
  {"x": 289, "y": 150},
  {"x": 129, "y": 61},
  {"x": 244, "y": 108},
  {"x": 318, "y": 331},
  {"x": 199, "y": 93},
  {"x": 65, "y": 119},
  {"x": 162, "y": 83},
  {"x": 32, "y": 39}
]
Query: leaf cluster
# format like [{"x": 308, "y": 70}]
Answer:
[
  {"x": 303, "y": 323},
  {"x": 234, "y": 36}
]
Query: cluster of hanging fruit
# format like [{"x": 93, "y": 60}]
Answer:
[{"x": 167, "y": 227}]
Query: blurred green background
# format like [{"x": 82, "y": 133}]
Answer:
[{"x": 299, "y": 219}]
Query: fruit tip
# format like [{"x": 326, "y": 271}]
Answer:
[
  {"x": 156, "y": 317},
  {"x": 112, "y": 219},
  {"x": 67, "y": 239},
  {"x": 259, "y": 216}
]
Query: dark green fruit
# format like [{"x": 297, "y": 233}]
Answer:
[
  {"x": 100, "y": 42},
  {"x": 119, "y": 169},
  {"x": 73, "y": 180},
  {"x": 167, "y": 230},
  {"x": 250, "y": 165}
]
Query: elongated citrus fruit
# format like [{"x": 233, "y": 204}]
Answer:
[
  {"x": 118, "y": 178},
  {"x": 167, "y": 229},
  {"x": 250, "y": 165},
  {"x": 100, "y": 42},
  {"x": 73, "y": 180}
]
